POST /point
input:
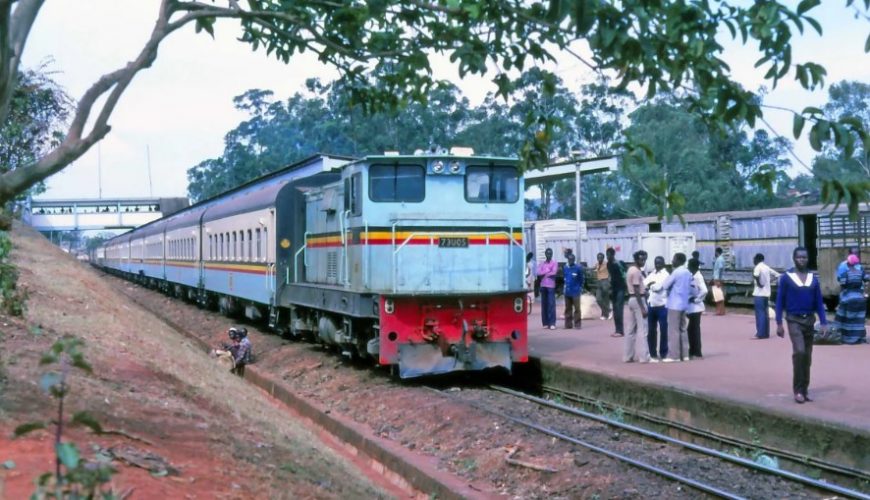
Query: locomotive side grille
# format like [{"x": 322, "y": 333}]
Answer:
[{"x": 332, "y": 264}]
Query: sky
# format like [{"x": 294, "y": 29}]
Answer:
[{"x": 175, "y": 114}]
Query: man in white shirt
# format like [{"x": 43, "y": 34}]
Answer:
[
  {"x": 761, "y": 294},
  {"x": 658, "y": 312}
]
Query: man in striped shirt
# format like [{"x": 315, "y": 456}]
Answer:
[{"x": 800, "y": 296}]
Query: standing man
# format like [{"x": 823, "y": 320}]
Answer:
[
  {"x": 696, "y": 308},
  {"x": 800, "y": 296},
  {"x": 547, "y": 272},
  {"x": 658, "y": 313},
  {"x": 574, "y": 275},
  {"x": 718, "y": 271},
  {"x": 761, "y": 296},
  {"x": 617, "y": 290},
  {"x": 602, "y": 291},
  {"x": 678, "y": 287},
  {"x": 637, "y": 313}
]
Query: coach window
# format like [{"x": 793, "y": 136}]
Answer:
[
  {"x": 265, "y": 243},
  {"x": 250, "y": 245},
  {"x": 397, "y": 183},
  {"x": 242, "y": 245},
  {"x": 492, "y": 185},
  {"x": 258, "y": 244}
]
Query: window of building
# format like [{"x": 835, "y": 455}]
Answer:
[
  {"x": 242, "y": 245},
  {"x": 397, "y": 183},
  {"x": 250, "y": 245},
  {"x": 492, "y": 184}
]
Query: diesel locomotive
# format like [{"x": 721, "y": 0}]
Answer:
[{"x": 414, "y": 261}]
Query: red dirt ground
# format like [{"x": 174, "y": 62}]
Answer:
[{"x": 226, "y": 439}]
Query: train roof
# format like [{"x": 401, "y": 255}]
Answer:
[
  {"x": 436, "y": 156},
  {"x": 703, "y": 216}
]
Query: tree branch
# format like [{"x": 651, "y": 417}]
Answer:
[
  {"x": 77, "y": 142},
  {"x": 14, "y": 28}
]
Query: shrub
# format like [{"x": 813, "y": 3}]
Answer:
[
  {"x": 73, "y": 478},
  {"x": 12, "y": 299}
]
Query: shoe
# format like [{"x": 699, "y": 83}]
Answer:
[
  {"x": 685, "y": 359},
  {"x": 610, "y": 316},
  {"x": 670, "y": 360},
  {"x": 603, "y": 318},
  {"x": 617, "y": 335},
  {"x": 654, "y": 360},
  {"x": 756, "y": 337},
  {"x": 807, "y": 398},
  {"x": 552, "y": 327},
  {"x": 799, "y": 398}
]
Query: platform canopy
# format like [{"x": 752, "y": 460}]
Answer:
[{"x": 568, "y": 169}]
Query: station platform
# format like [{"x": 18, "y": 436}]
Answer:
[{"x": 740, "y": 383}]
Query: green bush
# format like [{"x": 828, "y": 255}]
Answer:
[
  {"x": 12, "y": 299},
  {"x": 74, "y": 477}
]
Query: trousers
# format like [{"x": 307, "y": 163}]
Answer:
[
  {"x": 762, "y": 318},
  {"x": 693, "y": 332},
  {"x": 678, "y": 335},
  {"x": 572, "y": 312},
  {"x": 800, "y": 332},
  {"x": 657, "y": 316},
  {"x": 636, "y": 347},
  {"x": 548, "y": 306},
  {"x": 618, "y": 310},
  {"x": 602, "y": 296}
]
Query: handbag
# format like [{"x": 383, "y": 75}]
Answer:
[
  {"x": 718, "y": 294},
  {"x": 832, "y": 337}
]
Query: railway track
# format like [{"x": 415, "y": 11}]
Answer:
[
  {"x": 837, "y": 472},
  {"x": 704, "y": 469}
]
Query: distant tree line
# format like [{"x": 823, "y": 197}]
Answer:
[{"x": 692, "y": 167}]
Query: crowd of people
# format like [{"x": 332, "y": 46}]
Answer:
[{"x": 664, "y": 307}]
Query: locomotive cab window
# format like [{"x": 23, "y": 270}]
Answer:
[
  {"x": 353, "y": 194},
  {"x": 397, "y": 183},
  {"x": 492, "y": 185}
]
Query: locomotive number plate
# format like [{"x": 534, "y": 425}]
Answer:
[{"x": 452, "y": 242}]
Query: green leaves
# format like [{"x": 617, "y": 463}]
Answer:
[
  {"x": 88, "y": 420},
  {"x": 798, "y": 125},
  {"x": 28, "y": 428},
  {"x": 205, "y": 24},
  {"x": 68, "y": 454}
]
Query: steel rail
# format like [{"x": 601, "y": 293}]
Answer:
[
  {"x": 788, "y": 455},
  {"x": 690, "y": 446},
  {"x": 706, "y": 488}
]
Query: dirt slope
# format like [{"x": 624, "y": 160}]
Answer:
[{"x": 226, "y": 439}]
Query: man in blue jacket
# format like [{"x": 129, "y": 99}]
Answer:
[
  {"x": 574, "y": 275},
  {"x": 800, "y": 296}
]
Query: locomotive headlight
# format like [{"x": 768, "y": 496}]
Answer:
[
  {"x": 518, "y": 304},
  {"x": 454, "y": 167},
  {"x": 389, "y": 306},
  {"x": 438, "y": 167}
]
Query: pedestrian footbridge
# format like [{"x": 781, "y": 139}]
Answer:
[{"x": 98, "y": 214}]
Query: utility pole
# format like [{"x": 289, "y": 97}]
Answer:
[
  {"x": 148, "y": 160},
  {"x": 99, "y": 171}
]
